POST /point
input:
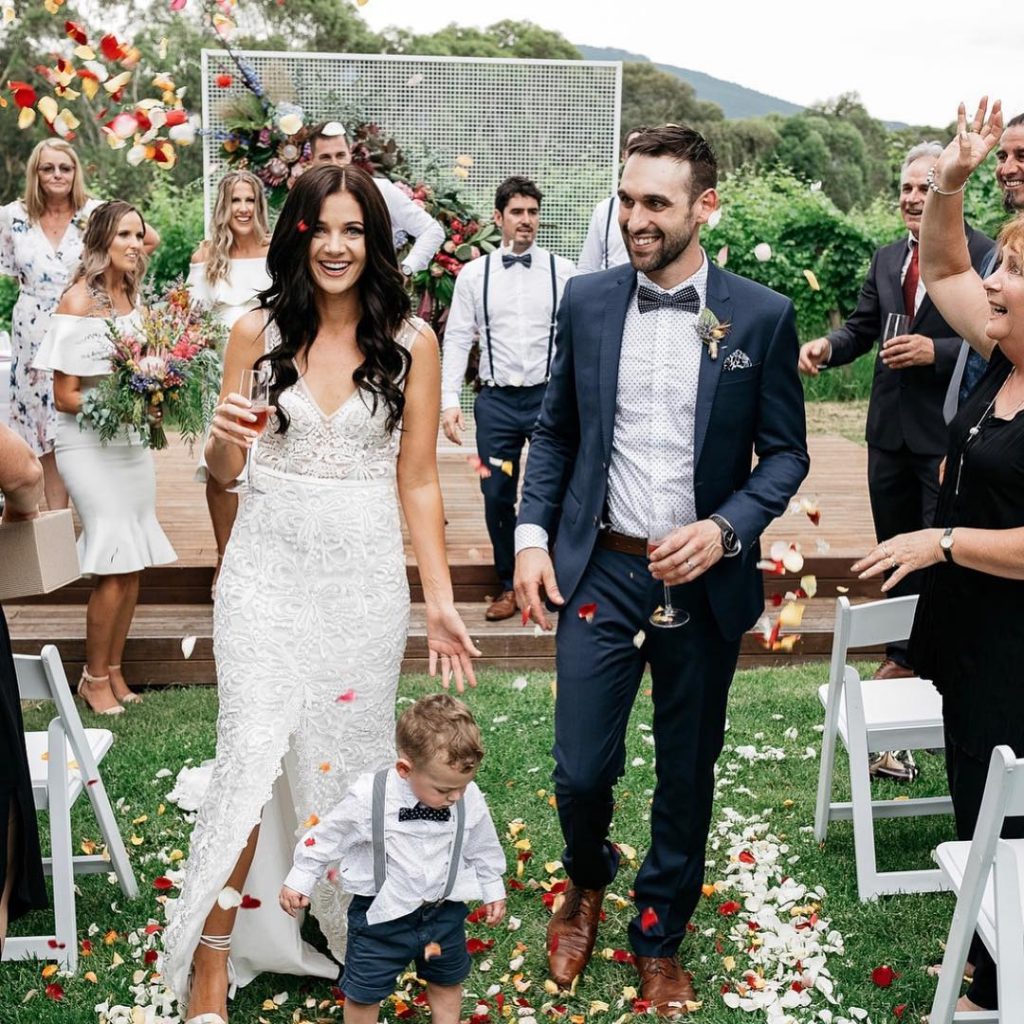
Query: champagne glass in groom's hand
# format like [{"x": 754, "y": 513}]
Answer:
[{"x": 666, "y": 616}]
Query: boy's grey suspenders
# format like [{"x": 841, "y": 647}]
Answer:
[
  {"x": 380, "y": 864},
  {"x": 487, "y": 316}
]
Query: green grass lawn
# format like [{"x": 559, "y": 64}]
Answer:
[{"x": 177, "y": 725}]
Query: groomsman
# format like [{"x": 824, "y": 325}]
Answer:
[
  {"x": 604, "y": 246},
  {"x": 508, "y": 300},
  {"x": 669, "y": 376},
  {"x": 329, "y": 144},
  {"x": 970, "y": 365}
]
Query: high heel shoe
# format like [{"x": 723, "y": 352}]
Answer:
[
  {"x": 130, "y": 697},
  {"x": 221, "y": 943},
  {"x": 87, "y": 678}
]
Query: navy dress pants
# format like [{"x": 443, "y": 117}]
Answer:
[
  {"x": 505, "y": 418},
  {"x": 599, "y": 672}
]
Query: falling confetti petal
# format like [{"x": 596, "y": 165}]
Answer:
[
  {"x": 311, "y": 821},
  {"x": 723, "y": 256},
  {"x": 345, "y": 698},
  {"x": 762, "y": 252},
  {"x": 228, "y": 898},
  {"x": 587, "y": 611},
  {"x": 812, "y": 281},
  {"x": 430, "y": 950},
  {"x": 224, "y": 81},
  {"x": 414, "y": 80},
  {"x": 520, "y": 683},
  {"x": 249, "y": 903},
  {"x": 188, "y": 645},
  {"x": 648, "y": 919},
  {"x": 714, "y": 218},
  {"x": 638, "y": 640}
]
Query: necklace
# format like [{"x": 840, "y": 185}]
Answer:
[{"x": 976, "y": 429}]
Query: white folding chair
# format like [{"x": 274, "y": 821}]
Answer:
[
  {"x": 988, "y": 876},
  {"x": 63, "y": 763},
  {"x": 872, "y": 715}
]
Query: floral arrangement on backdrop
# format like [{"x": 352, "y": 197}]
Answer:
[{"x": 171, "y": 366}]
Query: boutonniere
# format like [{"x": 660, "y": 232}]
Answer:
[{"x": 711, "y": 331}]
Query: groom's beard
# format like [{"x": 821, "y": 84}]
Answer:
[{"x": 652, "y": 258}]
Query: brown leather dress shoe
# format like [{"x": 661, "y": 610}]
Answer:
[
  {"x": 572, "y": 932},
  {"x": 503, "y": 608},
  {"x": 890, "y": 669},
  {"x": 665, "y": 985}
]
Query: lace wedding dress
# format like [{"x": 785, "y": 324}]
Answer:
[{"x": 310, "y": 627}]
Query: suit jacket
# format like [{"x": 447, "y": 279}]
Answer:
[
  {"x": 757, "y": 409},
  {"x": 906, "y": 405}
]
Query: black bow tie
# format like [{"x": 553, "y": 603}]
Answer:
[
  {"x": 650, "y": 298},
  {"x": 508, "y": 260},
  {"x": 421, "y": 813}
]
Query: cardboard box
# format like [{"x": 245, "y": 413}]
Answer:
[{"x": 37, "y": 555}]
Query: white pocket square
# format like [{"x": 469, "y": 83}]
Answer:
[{"x": 736, "y": 360}]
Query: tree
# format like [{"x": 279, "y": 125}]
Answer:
[
  {"x": 738, "y": 143},
  {"x": 502, "y": 39},
  {"x": 652, "y": 96}
]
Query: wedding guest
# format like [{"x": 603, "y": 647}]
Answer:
[
  {"x": 508, "y": 299},
  {"x": 970, "y": 364},
  {"x": 669, "y": 375},
  {"x": 40, "y": 244},
  {"x": 112, "y": 484},
  {"x": 312, "y": 610},
  {"x": 968, "y": 634},
  {"x": 413, "y": 843},
  {"x": 329, "y": 144},
  {"x": 21, "y": 866},
  {"x": 228, "y": 271},
  {"x": 906, "y": 432},
  {"x": 604, "y": 245}
]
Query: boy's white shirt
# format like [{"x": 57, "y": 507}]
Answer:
[{"x": 418, "y": 852}]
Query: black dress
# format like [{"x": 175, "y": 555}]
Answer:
[
  {"x": 968, "y": 635},
  {"x": 29, "y": 892}
]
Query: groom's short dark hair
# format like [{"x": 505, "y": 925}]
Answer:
[{"x": 684, "y": 145}]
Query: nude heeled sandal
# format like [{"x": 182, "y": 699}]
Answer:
[
  {"x": 223, "y": 944},
  {"x": 130, "y": 697},
  {"x": 87, "y": 678}
]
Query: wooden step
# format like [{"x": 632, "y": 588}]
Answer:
[{"x": 153, "y": 655}]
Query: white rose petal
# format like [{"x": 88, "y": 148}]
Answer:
[
  {"x": 519, "y": 683},
  {"x": 716, "y": 216},
  {"x": 290, "y": 124},
  {"x": 762, "y": 252},
  {"x": 228, "y": 899},
  {"x": 188, "y": 643}
]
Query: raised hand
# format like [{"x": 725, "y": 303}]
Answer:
[{"x": 970, "y": 146}]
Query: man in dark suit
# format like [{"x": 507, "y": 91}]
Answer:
[
  {"x": 669, "y": 374},
  {"x": 906, "y": 432}
]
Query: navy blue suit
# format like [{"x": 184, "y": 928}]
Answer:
[{"x": 758, "y": 409}]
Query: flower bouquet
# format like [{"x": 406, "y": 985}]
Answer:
[{"x": 167, "y": 373}]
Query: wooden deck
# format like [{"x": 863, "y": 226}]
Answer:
[{"x": 175, "y": 599}]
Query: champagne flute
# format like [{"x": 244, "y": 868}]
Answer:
[
  {"x": 667, "y": 616},
  {"x": 255, "y": 385}
]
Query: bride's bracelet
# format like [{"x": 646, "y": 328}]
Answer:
[{"x": 932, "y": 187}]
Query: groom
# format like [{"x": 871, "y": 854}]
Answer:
[{"x": 669, "y": 375}]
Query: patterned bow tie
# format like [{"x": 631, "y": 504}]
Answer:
[
  {"x": 421, "y": 813},
  {"x": 508, "y": 260},
  {"x": 649, "y": 298}
]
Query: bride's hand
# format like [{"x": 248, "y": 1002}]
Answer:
[
  {"x": 232, "y": 421},
  {"x": 970, "y": 146},
  {"x": 448, "y": 638}
]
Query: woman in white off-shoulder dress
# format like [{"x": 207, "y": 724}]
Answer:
[
  {"x": 228, "y": 272},
  {"x": 112, "y": 485},
  {"x": 312, "y": 606}
]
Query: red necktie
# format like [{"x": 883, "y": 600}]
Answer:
[{"x": 910, "y": 282}]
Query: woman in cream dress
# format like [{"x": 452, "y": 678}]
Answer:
[
  {"x": 312, "y": 609},
  {"x": 113, "y": 485},
  {"x": 228, "y": 272}
]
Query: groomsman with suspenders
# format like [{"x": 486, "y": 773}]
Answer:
[{"x": 508, "y": 299}]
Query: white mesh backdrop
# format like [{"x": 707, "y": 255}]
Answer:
[{"x": 557, "y": 122}]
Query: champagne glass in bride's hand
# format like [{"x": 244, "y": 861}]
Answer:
[
  {"x": 255, "y": 385},
  {"x": 667, "y": 616}
]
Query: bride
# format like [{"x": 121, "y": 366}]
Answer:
[{"x": 312, "y": 604}]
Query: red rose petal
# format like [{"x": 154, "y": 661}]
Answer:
[
  {"x": 587, "y": 611},
  {"x": 309, "y": 842},
  {"x": 54, "y": 992},
  {"x": 883, "y": 976},
  {"x": 729, "y": 908},
  {"x": 345, "y": 698},
  {"x": 475, "y": 945},
  {"x": 224, "y": 81},
  {"x": 746, "y": 857},
  {"x": 162, "y": 884},
  {"x": 150, "y": 956},
  {"x": 648, "y": 919},
  {"x": 250, "y": 903}
]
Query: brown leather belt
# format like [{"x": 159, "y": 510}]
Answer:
[{"x": 613, "y": 541}]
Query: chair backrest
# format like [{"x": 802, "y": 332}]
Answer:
[
  {"x": 42, "y": 677},
  {"x": 863, "y": 625}
]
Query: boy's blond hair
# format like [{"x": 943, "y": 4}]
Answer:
[{"x": 440, "y": 726}]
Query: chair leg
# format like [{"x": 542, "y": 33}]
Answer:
[
  {"x": 112, "y": 836},
  {"x": 1009, "y": 935},
  {"x": 863, "y": 815},
  {"x": 826, "y": 773},
  {"x": 61, "y": 853}
]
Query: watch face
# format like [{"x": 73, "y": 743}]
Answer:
[{"x": 946, "y": 542}]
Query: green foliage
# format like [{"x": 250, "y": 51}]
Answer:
[
  {"x": 8, "y": 297},
  {"x": 652, "y": 96},
  {"x": 177, "y": 213},
  {"x": 506, "y": 38},
  {"x": 983, "y": 200},
  {"x": 806, "y": 232}
]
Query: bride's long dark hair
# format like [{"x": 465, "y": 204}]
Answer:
[{"x": 291, "y": 296}]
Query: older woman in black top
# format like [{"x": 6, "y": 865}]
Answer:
[
  {"x": 21, "y": 868},
  {"x": 969, "y": 631}
]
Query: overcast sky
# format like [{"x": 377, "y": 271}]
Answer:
[{"x": 909, "y": 63}]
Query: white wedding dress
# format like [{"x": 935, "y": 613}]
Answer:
[{"x": 310, "y": 626}]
